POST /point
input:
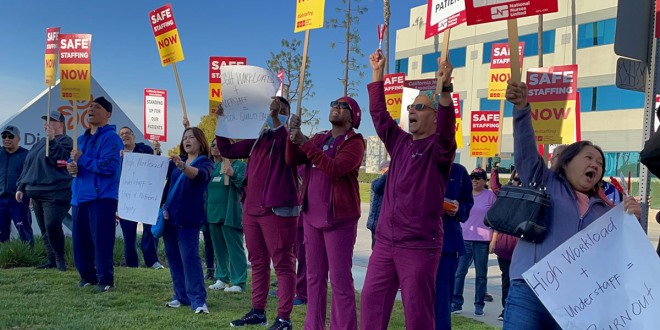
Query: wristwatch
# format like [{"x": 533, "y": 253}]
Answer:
[
  {"x": 448, "y": 89},
  {"x": 183, "y": 166}
]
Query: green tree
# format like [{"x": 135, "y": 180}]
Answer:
[
  {"x": 289, "y": 60},
  {"x": 207, "y": 125},
  {"x": 349, "y": 18}
]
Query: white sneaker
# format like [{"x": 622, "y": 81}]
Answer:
[
  {"x": 173, "y": 304},
  {"x": 202, "y": 310},
  {"x": 234, "y": 288},
  {"x": 157, "y": 265},
  {"x": 218, "y": 285}
]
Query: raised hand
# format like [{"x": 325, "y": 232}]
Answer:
[
  {"x": 516, "y": 93},
  {"x": 445, "y": 70}
]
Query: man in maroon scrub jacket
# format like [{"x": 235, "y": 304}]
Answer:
[{"x": 409, "y": 231}]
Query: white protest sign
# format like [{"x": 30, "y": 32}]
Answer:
[
  {"x": 246, "y": 96},
  {"x": 607, "y": 276},
  {"x": 155, "y": 114},
  {"x": 407, "y": 98},
  {"x": 443, "y": 14},
  {"x": 141, "y": 187}
]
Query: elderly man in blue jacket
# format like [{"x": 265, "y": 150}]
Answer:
[
  {"x": 96, "y": 166},
  {"x": 459, "y": 193}
]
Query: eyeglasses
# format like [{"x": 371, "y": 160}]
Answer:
[
  {"x": 340, "y": 105},
  {"x": 476, "y": 178},
  {"x": 419, "y": 106},
  {"x": 7, "y": 136}
]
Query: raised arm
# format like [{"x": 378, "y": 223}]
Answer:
[
  {"x": 446, "y": 117},
  {"x": 529, "y": 163},
  {"x": 386, "y": 128}
]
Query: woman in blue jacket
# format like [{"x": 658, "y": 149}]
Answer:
[
  {"x": 184, "y": 214},
  {"x": 573, "y": 188}
]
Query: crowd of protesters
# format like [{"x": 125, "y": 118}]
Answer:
[{"x": 287, "y": 196}]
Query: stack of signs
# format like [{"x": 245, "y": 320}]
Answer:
[
  {"x": 484, "y": 133},
  {"x": 393, "y": 84},
  {"x": 442, "y": 15},
  {"x": 215, "y": 78},
  {"x": 553, "y": 99},
  {"x": 500, "y": 69}
]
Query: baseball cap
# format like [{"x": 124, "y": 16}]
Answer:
[
  {"x": 12, "y": 130},
  {"x": 479, "y": 173},
  {"x": 54, "y": 115}
]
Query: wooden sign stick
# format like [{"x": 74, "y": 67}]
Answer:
[
  {"x": 514, "y": 57},
  {"x": 443, "y": 57},
  {"x": 301, "y": 80},
  {"x": 48, "y": 120},
  {"x": 178, "y": 84}
]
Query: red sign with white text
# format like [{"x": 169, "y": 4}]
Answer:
[
  {"x": 459, "y": 124},
  {"x": 481, "y": 11},
  {"x": 215, "y": 77},
  {"x": 554, "y": 83},
  {"x": 50, "y": 61},
  {"x": 155, "y": 114},
  {"x": 484, "y": 131},
  {"x": 500, "y": 69},
  {"x": 393, "y": 85},
  {"x": 162, "y": 20},
  {"x": 75, "y": 66},
  {"x": 442, "y": 15}
]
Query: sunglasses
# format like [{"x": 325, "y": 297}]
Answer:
[
  {"x": 7, "y": 136},
  {"x": 419, "y": 106},
  {"x": 340, "y": 105}
]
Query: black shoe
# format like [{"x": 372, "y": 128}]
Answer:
[
  {"x": 251, "y": 318},
  {"x": 104, "y": 288},
  {"x": 61, "y": 265},
  {"x": 281, "y": 324},
  {"x": 84, "y": 283},
  {"x": 210, "y": 274},
  {"x": 47, "y": 265},
  {"x": 501, "y": 316},
  {"x": 488, "y": 297}
]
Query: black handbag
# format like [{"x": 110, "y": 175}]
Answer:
[
  {"x": 521, "y": 211},
  {"x": 650, "y": 155}
]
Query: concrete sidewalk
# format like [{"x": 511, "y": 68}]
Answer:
[{"x": 362, "y": 252}]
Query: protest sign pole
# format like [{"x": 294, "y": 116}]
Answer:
[
  {"x": 301, "y": 80},
  {"x": 178, "y": 84},
  {"x": 48, "y": 119},
  {"x": 225, "y": 164},
  {"x": 546, "y": 147},
  {"x": 499, "y": 128},
  {"x": 512, "y": 27},
  {"x": 443, "y": 57}
]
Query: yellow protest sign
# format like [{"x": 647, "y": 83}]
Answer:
[
  {"x": 459, "y": 123},
  {"x": 215, "y": 77},
  {"x": 393, "y": 85},
  {"x": 167, "y": 35},
  {"x": 483, "y": 133},
  {"x": 52, "y": 36},
  {"x": 500, "y": 69},
  {"x": 75, "y": 66},
  {"x": 309, "y": 15}
]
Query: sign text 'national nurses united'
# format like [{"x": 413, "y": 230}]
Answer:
[{"x": 484, "y": 11}]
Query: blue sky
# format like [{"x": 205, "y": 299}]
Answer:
[{"x": 125, "y": 58}]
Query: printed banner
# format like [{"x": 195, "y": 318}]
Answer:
[
  {"x": 483, "y": 133},
  {"x": 247, "y": 92},
  {"x": 604, "y": 277},
  {"x": 215, "y": 78},
  {"x": 50, "y": 61},
  {"x": 500, "y": 69},
  {"x": 167, "y": 36},
  {"x": 393, "y": 84},
  {"x": 553, "y": 98},
  {"x": 442, "y": 15},
  {"x": 421, "y": 84},
  {"x": 141, "y": 187},
  {"x": 75, "y": 66},
  {"x": 155, "y": 114},
  {"x": 484, "y": 11},
  {"x": 459, "y": 123},
  {"x": 309, "y": 15}
]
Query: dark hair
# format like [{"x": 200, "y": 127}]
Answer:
[
  {"x": 285, "y": 101},
  {"x": 128, "y": 128},
  {"x": 199, "y": 136},
  {"x": 573, "y": 150}
]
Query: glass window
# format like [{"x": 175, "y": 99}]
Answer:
[
  {"x": 587, "y": 99},
  {"x": 491, "y": 105},
  {"x": 596, "y": 33},
  {"x": 531, "y": 44},
  {"x": 401, "y": 66},
  {"x": 456, "y": 55},
  {"x": 621, "y": 162},
  {"x": 613, "y": 98}
]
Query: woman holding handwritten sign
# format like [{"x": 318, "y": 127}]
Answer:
[
  {"x": 189, "y": 175},
  {"x": 573, "y": 187}
]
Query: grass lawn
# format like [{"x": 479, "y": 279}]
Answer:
[
  {"x": 365, "y": 191},
  {"x": 48, "y": 299}
]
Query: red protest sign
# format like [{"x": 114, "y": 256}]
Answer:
[
  {"x": 50, "y": 61},
  {"x": 393, "y": 85},
  {"x": 442, "y": 15},
  {"x": 215, "y": 77},
  {"x": 162, "y": 20},
  {"x": 555, "y": 83},
  {"x": 484, "y": 130},
  {"x": 480, "y": 11}
]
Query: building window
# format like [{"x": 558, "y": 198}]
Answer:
[
  {"x": 609, "y": 97},
  {"x": 621, "y": 162},
  {"x": 494, "y": 105},
  {"x": 401, "y": 66},
  {"x": 457, "y": 56},
  {"x": 531, "y": 44},
  {"x": 596, "y": 33}
]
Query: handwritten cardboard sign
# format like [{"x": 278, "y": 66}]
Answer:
[
  {"x": 141, "y": 187},
  {"x": 247, "y": 92},
  {"x": 604, "y": 277}
]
